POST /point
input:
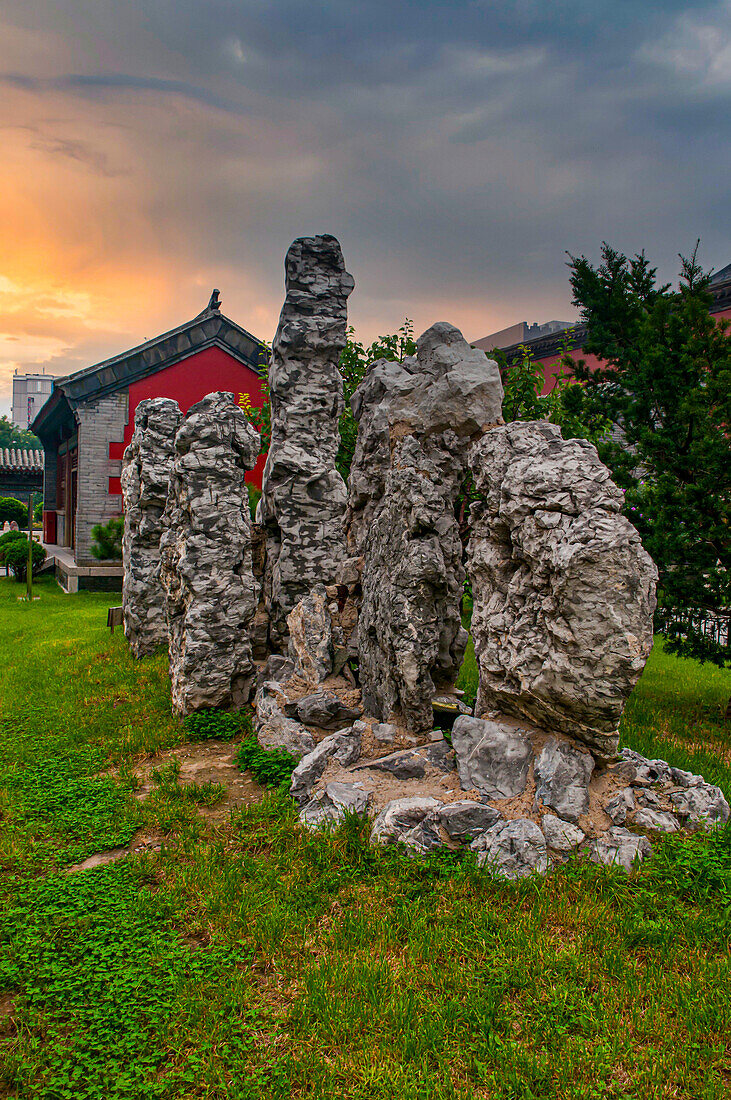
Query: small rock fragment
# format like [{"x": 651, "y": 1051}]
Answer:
[
  {"x": 465, "y": 820},
  {"x": 704, "y": 804},
  {"x": 310, "y": 636},
  {"x": 618, "y": 807},
  {"x": 621, "y": 847},
  {"x": 323, "y": 710},
  {"x": 654, "y": 821},
  {"x": 331, "y": 805},
  {"x": 400, "y": 815},
  {"x": 562, "y": 775},
  {"x": 385, "y": 732},
  {"x": 512, "y": 849},
  {"x": 559, "y": 834},
  {"x": 491, "y": 757}
]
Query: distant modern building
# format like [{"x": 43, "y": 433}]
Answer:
[
  {"x": 546, "y": 342},
  {"x": 522, "y": 333},
  {"x": 88, "y": 421},
  {"x": 30, "y": 393}
]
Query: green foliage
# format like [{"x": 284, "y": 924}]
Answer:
[
  {"x": 251, "y": 959},
  {"x": 8, "y": 539},
  {"x": 254, "y": 498},
  {"x": 667, "y": 385},
  {"x": 203, "y": 794},
  {"x": 222, "y": 725},
  {"x": 20, "y": 438},
  {"x": 12, "y": 510},
  {"x": 271, "y": 768},
  {"x": 354, "y": 361},
  {"x": 107, "y": 537},
  {"x": 38, "y": 514},
  {"x": 565, "y": 404},
  {"x": 15, "y": 556}
]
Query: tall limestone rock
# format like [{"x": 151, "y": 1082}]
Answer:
[
  {"x": 416, "y": 421},
  {"x": 564, "y": 592},
  {"x": 148, "y": 462},
  {"x": 304, "y": 497},
  {"x": 206, "y": 565}
]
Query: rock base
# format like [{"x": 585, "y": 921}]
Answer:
[{"x": 520, "y": 798}]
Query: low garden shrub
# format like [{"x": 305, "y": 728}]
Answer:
[
  {"x": 7, "y": 540},
  {"x": 271, "y": 768},
  {"x": 16, "y": 557},
  {"x": 204, "y": 725}
]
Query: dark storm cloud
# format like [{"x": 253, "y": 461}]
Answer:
[{"x": 457, "y": 148}]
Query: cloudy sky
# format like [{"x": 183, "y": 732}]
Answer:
[{"x": 153, "y": 149}]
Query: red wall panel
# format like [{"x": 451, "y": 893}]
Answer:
[{"x": 189, "y": 381}]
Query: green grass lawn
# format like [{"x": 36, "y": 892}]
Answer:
[{"x": 249, "y": 960}]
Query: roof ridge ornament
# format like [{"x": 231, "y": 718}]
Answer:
[{"x": 214, "y": 305}]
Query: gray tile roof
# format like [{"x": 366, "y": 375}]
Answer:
[{"x": 14, "y": 458}]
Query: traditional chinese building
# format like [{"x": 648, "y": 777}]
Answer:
[{"x": 88, "y": 420}]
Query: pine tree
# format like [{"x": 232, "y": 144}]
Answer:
[{"x": 666, "y": 385}]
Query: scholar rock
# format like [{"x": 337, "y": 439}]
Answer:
[
  {"x": 146, "y": 469},
  {"x": 512, "y": 849},
  {"x": 304, "y": 497},
  {"x": 205, "y": 553},
  {"x": 416, "y": 420},
  {"x": 562, "y": 775},
  {"x": 491, "y": 757},
  {"x": 564, "y": 593}
]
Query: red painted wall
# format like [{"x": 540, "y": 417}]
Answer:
[{"x": 187, "y": 382}]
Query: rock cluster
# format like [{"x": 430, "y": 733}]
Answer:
[
  {"x": 519, "y": 799},
  {"x": 205, "y": 552},
  {"x": 564, "y": 592},
  {"x": 416, "y": 420},
  {"x": 304, "y": 496},
  {"x": 146, "y": 468}
]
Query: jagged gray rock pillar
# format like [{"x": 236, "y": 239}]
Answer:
[
  {"x": 146, "y": 468},
  {"x": 564, "y": 592},
  {"x": 416, "y": 421},
  {"x": 206, "y": 565},
  {"x": 304, "y": 497}
]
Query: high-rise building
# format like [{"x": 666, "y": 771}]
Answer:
[{"x": 30, "y": 393}]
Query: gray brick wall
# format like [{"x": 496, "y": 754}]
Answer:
[{"x": 100, "y": 423}]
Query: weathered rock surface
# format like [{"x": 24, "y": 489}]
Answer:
[
  {"x": 310, "y": 636},
  {"x": 560, "y": 835},
  {"x": 329, "y": 807},
  {"x": 323, "y": 710},
  {"x": 701, "y": 804},
  {"x": 618, "y": 807},
  {"x": 654, "y": 821},
  {"x": 343, "y": 746},
  {"x": 491, "y": 757},
  {"x": 146, "y": 469},
  {"x": 619, "y": 847},
  {"x": 414, "y": 763},
  {"x": 416, "y": 420},
  {"x": 400, "y": 816},
  {"x": 276, "y": 731},
  {"x": 562, "y": 775},
  {"x": 304, "y": 497},
  {"x": 512, "y": 849},
  {"x": 563, "y": 591},
  {"x": 205, "y": 557},
  {"x": 465, "y": 820}
]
